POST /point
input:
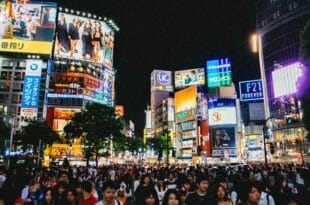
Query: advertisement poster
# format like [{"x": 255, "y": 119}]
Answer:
[
  {"x": 185, "y": 78},
  {"x": 27, "y": 27},
  {"x": 185, "y": 104},
  {"x": 81, "y": 38},
  {"x": 222, "y": 112},
  {"x": 223, "y": 137}
]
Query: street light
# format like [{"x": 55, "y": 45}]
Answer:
[{"x": 257, "y": 46}]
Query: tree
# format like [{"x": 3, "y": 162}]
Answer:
[
  {"x": 134, "y": 144},
  {"x": 304, "y": 85},
  {"x": 37, "y": 131},
  {"x": 96, "y": 125}
]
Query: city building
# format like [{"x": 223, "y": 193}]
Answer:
[{"x": 279, "y": 23}]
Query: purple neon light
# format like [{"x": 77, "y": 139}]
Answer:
[{"x": 285, "y": 79}]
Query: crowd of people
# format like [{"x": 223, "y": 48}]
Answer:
[{"x": 156, "y": 185}]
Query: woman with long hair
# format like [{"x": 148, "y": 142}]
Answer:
[
  {"x": 144, "y": 186},
  {"x": 222, "y": 195},
  {"x": 160, "y": 188},
  {"x": 49, "y": 197},
  {"x": 150, "y": 198}
]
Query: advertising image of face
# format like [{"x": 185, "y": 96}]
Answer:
[{"x": 222, "y": 137}]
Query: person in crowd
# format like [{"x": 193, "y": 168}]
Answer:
[
  {"x": 109, "y": 194},
  {"x": 48, "y": 198},
  {"x": 250, "y": 193},
  {"x": 61, "y": 189},
  {"x": 150, "y": 198},
  {"x": 87, "y": 196},
  {"x": 281, "y": 192},
  {"x": 160, "y": 188},
  {"x": 71, "y": 197},
  {"x": 222, "y": 195},
  {"x": 172, "y": 197},
  {"x": 171, "y": 181},
  {"x": 145, "y": 185},
  {"x": 201, "y": 195},
  {"x": 19, "y": 201}
]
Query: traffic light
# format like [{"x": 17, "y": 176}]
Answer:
[
  {"x": 272, "y": 148},
  {"x": 160, "y": 154},
  {"x": 173, "y": 153}
]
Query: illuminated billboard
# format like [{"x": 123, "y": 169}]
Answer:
[
  {"x": 80, "y": 38},
  {"x": 31, "y": 90},
  {"x": 219, "y": 72},
  {"x": 65, "y": 113},
  {"x": 27, "y": 27},
  {"x": 222, "y": 112},
  {"x": 251, "y": 90},
  {"x": 161, "y": 80},
  {"x": 285, "y": 79},
  {"x": 185, "y": 104},
  {"x": 185, "y": 78},
  {"x": 81, "y": 85},
  {"x": 223, "y": 137}
]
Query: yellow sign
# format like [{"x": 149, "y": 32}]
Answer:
[
  {"x": 22, "y": 46},
  {"x": 185, "y": 104}
]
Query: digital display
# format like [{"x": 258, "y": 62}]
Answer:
[
  {"x": 27, "y": 27},
  {"x": 189, "y": 77},
  {"x": 223, "y": 137},
  {"x": 251, "y": 90},
  {"x": 285, "y": 79},
  {"x": 218, "y": 72},
  {"x": 81, "y": 85},
  {"x": 185, "y": 104},
  {"x": 80, "y": 38}
]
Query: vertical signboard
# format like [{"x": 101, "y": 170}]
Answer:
[
  {"x": 31, "y": 90},
  {"x": 219, "y": 72}
]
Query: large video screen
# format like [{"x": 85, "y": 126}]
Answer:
[
  {"x": 189, "y": 77},
  {"x": 27, "y": 27},
  {"x": 223, "y": 137},
  {"x": 80, "y": 38},
  {"x": 285, "y": 79}
]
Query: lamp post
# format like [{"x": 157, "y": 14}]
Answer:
[{"x": 11, "y": 139}]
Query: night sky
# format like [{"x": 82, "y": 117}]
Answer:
[{"x": 173, "y": 35}]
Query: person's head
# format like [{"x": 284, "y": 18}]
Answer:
[
  {"x": 172, "y": 197},
  {"x": 160, "y": 181},
  {"x": 87, "y": 187},
  {"x": 61, "y": 188},
  {"x": 202, "y": 183},
  {"x": 64, "y": 177},
  {"x": 250, "y": 192},
  {"x": 220, "y": 192},
  {"x": 145, "y": 179},
  {"x": 70, "y": 196},
  {"x": 49, "y": 196},
  {"x": 109, "y": 191},
  {"x": 171, "y": 176},
  {"x": 150, "y": 197}
]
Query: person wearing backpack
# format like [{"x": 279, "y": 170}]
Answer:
[{"x": 109, "y": 194}]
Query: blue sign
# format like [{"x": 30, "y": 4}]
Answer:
[
  {"x": 34, "y": 66},
  {"x": 251, "y": 90},
  {"x": 219, "y": 72},
  {"x": 163, "y": 78},
  {"x": 31, "y": 91},
  {"x": 221, "y": 102}
]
